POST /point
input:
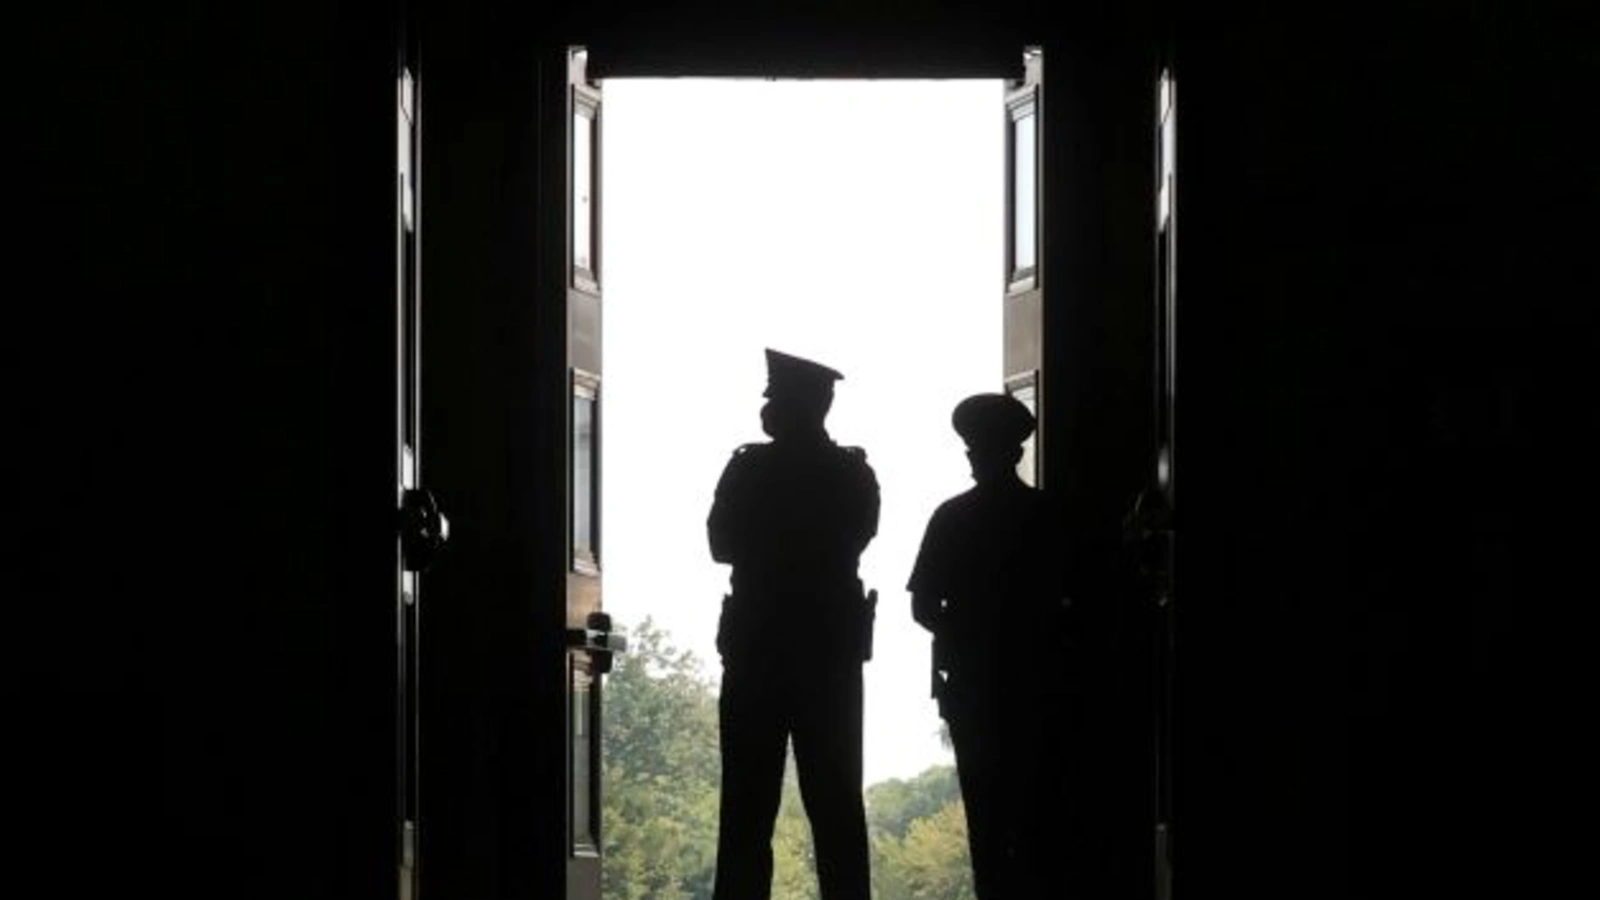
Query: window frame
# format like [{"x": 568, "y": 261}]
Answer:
[
  {"x": 581, "y": 682},
  {"x": 584, "y": 560},
  {"x": 1021, "y": 102},
  {"x": 585, "y": 105}
]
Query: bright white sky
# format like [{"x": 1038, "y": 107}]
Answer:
[{"x": 856, "y": 223}]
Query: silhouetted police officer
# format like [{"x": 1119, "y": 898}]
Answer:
[
  {"x": 985, "y": 584},
  {"x": 792, "y": 517}
]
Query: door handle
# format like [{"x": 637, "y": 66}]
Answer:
[{"x": 423, "y": 529}]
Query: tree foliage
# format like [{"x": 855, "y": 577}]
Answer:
[
  {"x": 660, "y": 767},
  {"x": 661, "y": 772},
  {"x": 918, "y": 830},
  {"x": 894, "y": 804}
]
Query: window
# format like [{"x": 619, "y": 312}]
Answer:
[
  {"x": 1022, "y": 191},
  {"x": 585, "y": 469},
  {"x": 1166, "y": 151},
  {"x": 585, "y": 188},
  {"x": 584, "y": 745},
  {"x": 1022, "y": 168}
]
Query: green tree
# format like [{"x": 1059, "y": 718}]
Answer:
[
  {"x": 794, "y": 861},
  {"x": 894, "y": 804},
  {"x": 661, "y": 787},
  {"x": 918, "y": 831},
  {"x": 660, "y": 773},
  {"x": 931, "y": 862},
  {"x": 661, "y": 783}
]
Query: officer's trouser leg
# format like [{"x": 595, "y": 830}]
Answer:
[
  {"x": 827, "y": 750},
  {"x": 754, "y": 744},
  {"x": 996, "y": 755},
  {"x": 984, "y": 811}
]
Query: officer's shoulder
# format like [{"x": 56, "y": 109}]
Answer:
[
  {"x": 947, "y": 520},
  {"x": 959, "y": 506},
  {"x": 745, "y": 462},
  {"x": 854, "y": 457}
]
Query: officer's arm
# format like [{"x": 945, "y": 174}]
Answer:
[
  {"x": 871, "y": 502},
  {"x": 928, "y": 579},
  {"x": 721, "y": 526},
  {"x": 925, "y": 609}
]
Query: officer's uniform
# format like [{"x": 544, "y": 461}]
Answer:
[
  {"x": 792, "y": 517},
  {"x": 988, "y": 558}
]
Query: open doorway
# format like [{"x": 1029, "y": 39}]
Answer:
[
  {"x": 495, "y": 808},
  {"x": 858, "y": 223}
]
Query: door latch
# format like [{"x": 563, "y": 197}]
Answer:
[
  {"x": 598, "y": 640},
  {"x": 1147, "y": 533},
  {"x": 423, "y": 529}
]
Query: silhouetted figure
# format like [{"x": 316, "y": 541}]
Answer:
[
  {"x": 792, "y": 517},
  {"x": 985, "y": 584}
]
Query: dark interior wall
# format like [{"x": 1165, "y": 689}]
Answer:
[
  {"x": 1345, "y": 422},
  {"x": 67, "y": 648},
  {"x": 204, "y": 647},
  {"x": 1276, "y": 374},
  {"x": 280, "y": 699}
]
